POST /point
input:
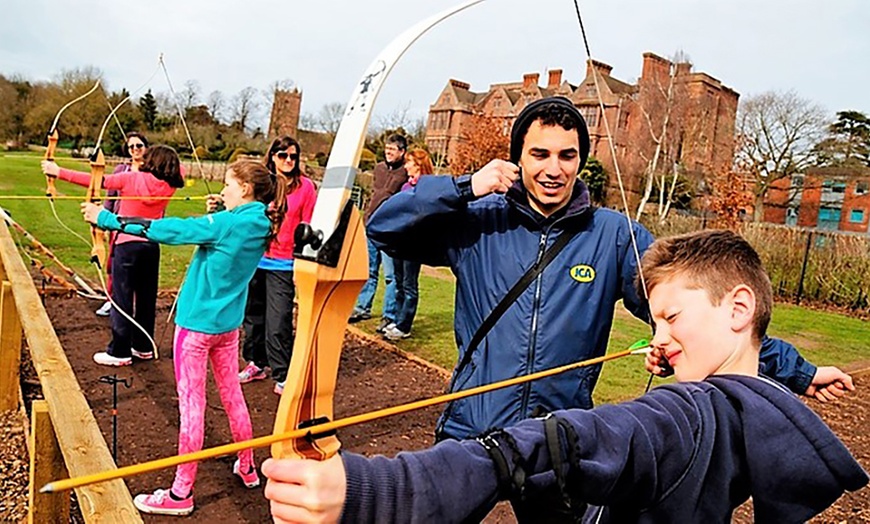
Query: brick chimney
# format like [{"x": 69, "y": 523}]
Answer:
[
  {"x": 555, "y": 78},
  {"x": 602, "y": 68},
  {"x": 530, "y": 80},
  {"x": 655, "y": 68},
  {"x": 460, "y": 84},
  {"x": 684, "y": 68}
]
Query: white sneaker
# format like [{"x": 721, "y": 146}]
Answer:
[
  {"x": 142, "y": 355},
  {"x": 105, "y": 309},
  {"x": 394, "y": 333},
  {"x": 106, "y": 359}
]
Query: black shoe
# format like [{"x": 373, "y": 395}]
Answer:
[
  {"x": 358, "y": 316},
  {"x": 385, "y": 323}
]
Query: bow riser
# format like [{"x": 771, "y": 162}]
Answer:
[
  {"x": 326, "y": 299},
  {"x": 50, "y": 189},
  {"x": 98, "y": 236}
]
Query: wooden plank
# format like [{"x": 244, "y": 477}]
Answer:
[
  {"x": 10, "y": 349},
  {"x": 46, "y": 463},
  {"x": 84, "y": 449}
]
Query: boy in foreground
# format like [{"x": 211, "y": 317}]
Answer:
[{"x": 685, "y": 452}]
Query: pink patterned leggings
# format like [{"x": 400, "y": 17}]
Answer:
[{"x": 193, "y": 350}]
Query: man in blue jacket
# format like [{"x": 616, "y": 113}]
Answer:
[
  {"x": 685, "y": 452},
  {"x": 490, "y": 227}
]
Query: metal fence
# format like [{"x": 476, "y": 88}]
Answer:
[{"x": 829, "y": 268}]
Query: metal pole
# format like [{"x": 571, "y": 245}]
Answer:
[
  {"x": 800, "y": 290},
  {"x": 114, "y": 381}
]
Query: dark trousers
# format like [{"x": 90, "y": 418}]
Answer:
[
  {"x": 407, "y": 292},
  {"x": 135, "y": 267},
  {"x": 268, "y": 321}
]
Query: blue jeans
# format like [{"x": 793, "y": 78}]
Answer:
[
  {"x": 407, "y": 275},
  {"x": 367, "y": 294}
]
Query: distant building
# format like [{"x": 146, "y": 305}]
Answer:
[
  {"x": 700, "y": 132},
  {"x": 835, "y": 199},
  {"x": 285, "y": 113}
]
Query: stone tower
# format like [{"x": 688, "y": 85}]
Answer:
[{"x": 285, "y": 113}]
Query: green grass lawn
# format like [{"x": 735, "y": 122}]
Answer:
[
  {"x": 20, "y": 174},
  {"x": 823, "y": 338}
]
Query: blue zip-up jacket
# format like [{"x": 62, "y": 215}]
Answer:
[
  {"x": 687, "y": 452},
  {"x": 230, "y": 245},
  {"x": 564, "y": 316}
]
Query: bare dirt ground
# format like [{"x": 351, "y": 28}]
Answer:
[{"x": 371, "y": 377}]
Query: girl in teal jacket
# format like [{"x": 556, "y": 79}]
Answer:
[{"x": 211, "y": 305}]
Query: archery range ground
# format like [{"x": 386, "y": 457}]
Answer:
[{"x": 372, "y": 375}]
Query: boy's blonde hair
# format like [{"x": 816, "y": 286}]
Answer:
[{"x": 716, "y": 261}]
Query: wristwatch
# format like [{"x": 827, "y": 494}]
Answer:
[{"x": 463, "y": 186}]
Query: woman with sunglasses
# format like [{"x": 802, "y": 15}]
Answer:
[
  {"x": 135, "y": 260},
  {"x": 268, "y": 320},
  {"x": 407, "y": 272},
  {"x": 134, "y": 148}
]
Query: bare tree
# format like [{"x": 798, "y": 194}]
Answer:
[
  {"x": 190, "y": 94},
  {"x": 216, "y": 105},
  {"x": 397, "y": 118},
  {"x": 244, "y": 107},
  {"x": 326, "y": 120},
  {"x": 776, "y": 133}
]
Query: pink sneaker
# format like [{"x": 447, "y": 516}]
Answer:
[
  {"x": 251, "y": 373},
  {"x": 160, "y": 503},
  {"x": 249, "y": 479}
]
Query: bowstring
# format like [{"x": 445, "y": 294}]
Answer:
[{"x": 619, "y": 179}]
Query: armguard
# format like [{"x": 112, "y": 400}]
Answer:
[{"x": 144, "y": 223}]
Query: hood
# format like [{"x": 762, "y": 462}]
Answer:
[
  {"x": 578, "y": 204},
  {"x": 794, "y": 460}
]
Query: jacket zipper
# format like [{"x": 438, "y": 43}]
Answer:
[{"x": 533, "y": 332}]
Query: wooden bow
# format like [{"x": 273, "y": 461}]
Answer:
[
  {"x": 98, "y": 236},
  {"x": 331, "y": 265},
  {"x": 50, "y": 189}
]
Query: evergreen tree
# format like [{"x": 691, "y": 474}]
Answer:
[
  {"x": 596, "y": 180},
  {"x": 848, "y": 142},
  {"x": 148, "y": 108}
]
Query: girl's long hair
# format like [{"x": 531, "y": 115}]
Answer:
[
  {"x": 269, "y": 188},
  {"x": 162, "y": 162},
  {"x": 282, "y": 144}
]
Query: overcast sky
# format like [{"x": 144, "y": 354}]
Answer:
[{"x": 819, "y": 49}]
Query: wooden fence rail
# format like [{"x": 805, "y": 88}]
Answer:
[{"x": 65, "y": 437}]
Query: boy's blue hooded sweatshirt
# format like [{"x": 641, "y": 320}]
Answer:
[{"x": 687, "y": 452}]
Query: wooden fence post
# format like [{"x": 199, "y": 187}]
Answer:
[
  {"x": 46, "y": 464},
  {"x": 10, "y": 349}
]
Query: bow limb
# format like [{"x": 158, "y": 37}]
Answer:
[
  {"x": 50, "y": 190},
  {"x": 331, "y": 264}
]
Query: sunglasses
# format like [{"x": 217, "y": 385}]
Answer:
[
  {"x": 284, "y": 155},
  {"x": 135, "y": 146}
]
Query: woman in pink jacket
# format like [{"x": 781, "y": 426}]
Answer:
[
  {"x": 269, "y": 312},
  {"x": 135, "y": 260}
]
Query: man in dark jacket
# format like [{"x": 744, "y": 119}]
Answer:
[
  {"x": 490, "y": 227},
  {"x": 388, "y": 179},
  {"x": 685, "y": 452}
]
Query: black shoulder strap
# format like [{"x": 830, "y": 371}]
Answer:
[{"x": 530, "y": 275}]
